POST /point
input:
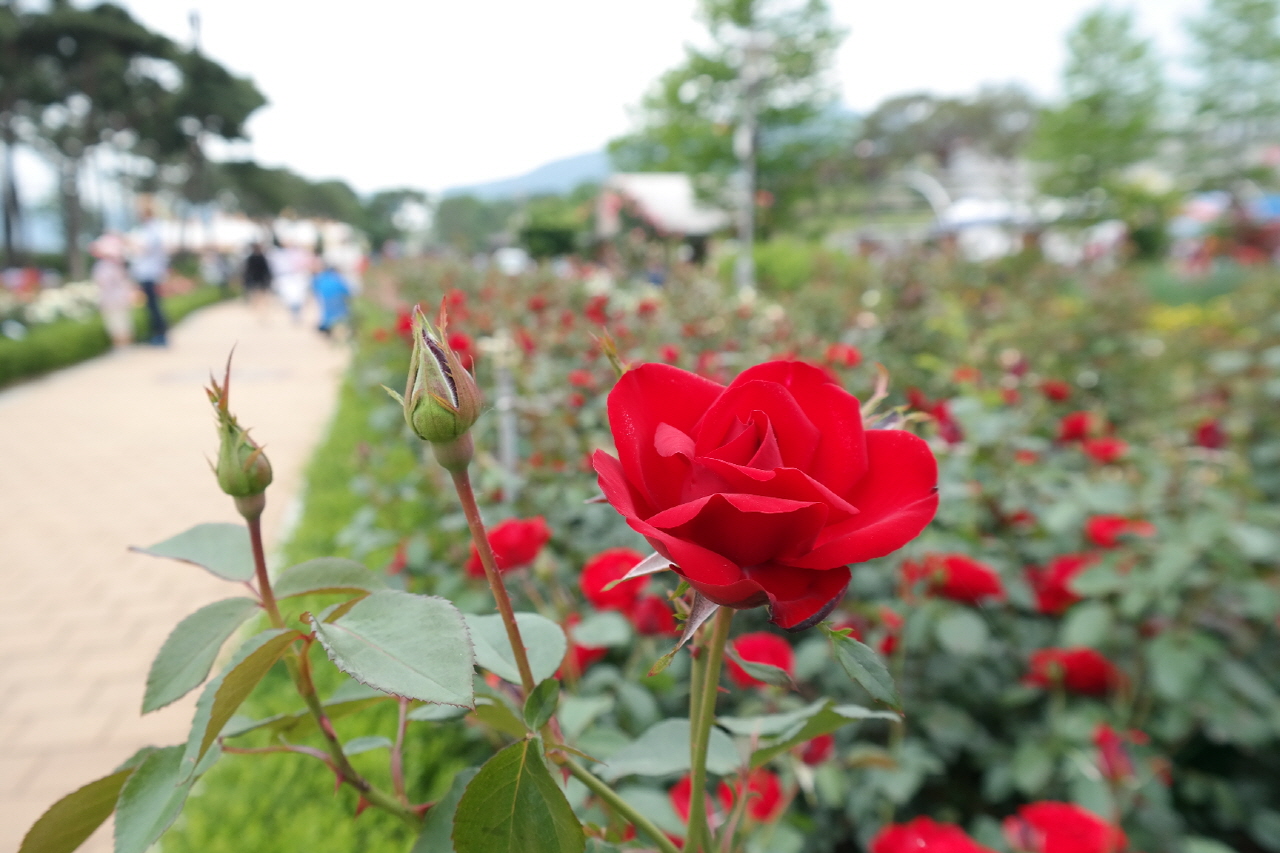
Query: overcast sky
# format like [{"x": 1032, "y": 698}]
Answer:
[{"x": 436, "y": 94}]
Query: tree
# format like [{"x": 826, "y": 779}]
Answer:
[
  {"x": 469, "y": 224},
  {"x": 385, "y": 214},
  {"x": 1236, "y": 52},
  {"x": 687, "y": 122},
  {"x": 1111, "y": 117}
]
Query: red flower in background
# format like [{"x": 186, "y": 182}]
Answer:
[
  {"x": 762, "y": 493},
  {"x": 948, "y": 429},
  {"x": 538, "y": 303},
  {"x": 1083, "y": 671},
  {"x": 605, "y": 568},
  {"x": 669, "y": 353},
  {"x": 579, "y": 657},
  {"x": 765, "y": 802},
  {"x": 760, "y": 647},
  {"x": 582, "y": 379},
  {"x": 651, "y": 616},
  {"x": 892, "y": 622},
  {"x": 1061, "y": 828},
  {"x": 1113, "y": 754},
  {"x": 1105, "y": 450},
  {"x": 1209, "y": 434},
  {"x": 843, "y": 355},
  {"x": 924, "y": 835},
  {"x": 1105, "y": 530},
  {"x": 819, "y": 750},
  {"x": 1078, "y": 426},
  {"x": 515, "y": 542},
  {"x": 956, "y": 577},
  {"x": 1055, "y": 389},
  {"x": 404, "y": 324},
  {"x": 461, "y": 343},
  {"x": 1052, "y": 584},
  {"x": 597, "y": 309}
]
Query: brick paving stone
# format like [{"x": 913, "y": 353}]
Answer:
[{"x": 105, "y": 455}]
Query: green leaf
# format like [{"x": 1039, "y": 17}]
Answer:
[
  {"x": 368, "y": 743},
  {"x": 768, "y": 673},
  {"x": 327, "y": 575},
  {"x": 961, "y": 632},
  {"x": 771, "y": 725},
  {"x": 222, "y": 549},
  {"x": 513, "y": 805},
  {"x": 1199, "y": 844},
  {"x": 437, "y": 831},
  {"x": 865, "y": 667},
  {"x": 578, "y": 712},
  {"x": 825, "y": 721},
  {"x": 663, "y": 750},
  {"x": 606, "y": 629},
  {"x": 414, "y": 646},
  {"x": 188, "y": 654},
  {"x": 1086, "y": 624},
  {"x": 544, "y": 643},
  {"x": 541, "y": 704},
  {"x": 67, "y": 823},
  {"x": 225, "y": 693},
  {"x": 1032, "y": 765},
  {"x": 431, "y": 713},
  {"x": 497, "y": 715},
  {"x": 153, "y": 797}
]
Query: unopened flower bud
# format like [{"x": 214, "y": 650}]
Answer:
[
  {"x": 242, "y": 468},
  {"x": 441, "y": 400}
]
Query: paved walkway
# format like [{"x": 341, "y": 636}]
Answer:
[{"x": 101, "y": 456}]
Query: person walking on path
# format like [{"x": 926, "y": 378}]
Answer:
[
  {"x": 115, "y": 290},
  {"x": 291, "y": 269},
  {"x": 149, "y": 268},
  {"x": 257, "y": 277},
  {"x": 333, "y": 293}
]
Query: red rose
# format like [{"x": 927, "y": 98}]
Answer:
[
  {"x": 605, "y": 568},
  {"x": 681, "y": 795},
  {"x": 819, "y": 750},
  {"x": 461, "y": 343},
  {"x": 765, "y": 491},
  {"x": 515, "y": 542},
  {"x": 669, "y": 353},
  {"x": 1105, "y": 450},
  {"x": 597, "y": 309},
  {"x": 1105, "y": 530},
  {"x": 924, "y": 835},
  {"x": 956, "y": 577},
  {"x": 892, "y": 622},
  {"x": 760, "y": 647},
  {"x": 1061, "y": 828},
  {"x": 579, "y": 657},
  {"x": 843, "y": 355},
  {"x": 1210, "y": 435},
  {"x": 1055, "y": 389},
  {"x": 1078, "y": 426},
  {"x": 765, "y": 802},
  {"x": 1052, "y": 584},
  {"x": 1113, "y": 754},
  {"x": 1083, "y": 671},
  {"x": 651, "y": 616},
  {"x": 582, "y": 379}
]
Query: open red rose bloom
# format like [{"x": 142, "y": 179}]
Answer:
[{"x": 762, "y": 492}]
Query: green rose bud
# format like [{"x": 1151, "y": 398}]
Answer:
[
  {"x": 441, "y": 400},
  {"x": 242, "y": 468}
]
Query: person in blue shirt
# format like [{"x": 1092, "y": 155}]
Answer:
[{"x": 333, "y": 295}]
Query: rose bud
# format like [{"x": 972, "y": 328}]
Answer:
[
  {"x": 818, "y": 750},
  {"x": 243, "y": 470},
  {"x": 764, "y": 492},
  {"x": 1082, "y": 671},
  {"x": 1052, "y": 584},
  {"x": 441, "y": 400},
  {"x": 651, "y": 616}
]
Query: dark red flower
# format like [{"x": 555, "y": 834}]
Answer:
[
  {"x": 1055, "y": 389},
  {"x": 597, "y": 309},
  {"x": 924, "y": 835},
  {"x": 1061, "y": 828},
  {"x": 1106, "y": 449},
  {"x": 1052, "y": 584},
  {"x": 843, "y": 355},
  {"x": 605, "y": 568},
  {"x": 461, "y": 343},
  {"x": 1209, "y": 434},
  {"x": 819, "y": 750},
  {"x": 762, "y": 493},
  {"x": 765, "y": 802},
  {"x": 956, "y": 577},
  {"x": 1105, "y": 530},
  {"x": 1083, "y": 671},
  {"x": 515, "y": 542},
  {"x": 760, "y": 647},
  {"x": 651, "y": 616},
  {"x": 669, "y": 353},
  {"x": 538, "y": 302},
  {"x": 1113, "y": 754},
  {"x": 1078, "y": 426}
]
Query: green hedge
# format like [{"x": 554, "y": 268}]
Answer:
[{"x": 66, "y": 342}]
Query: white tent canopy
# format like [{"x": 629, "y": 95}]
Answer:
[{"x": 665, "y": 199}]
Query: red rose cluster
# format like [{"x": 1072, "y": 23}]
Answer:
[
  {"x": 763, "y": 492},
  {"x": 650, "y": 614}
]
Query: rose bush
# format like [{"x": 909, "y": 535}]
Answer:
[{"x": 762, "y": 492}]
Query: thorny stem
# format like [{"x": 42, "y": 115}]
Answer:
[
  {"x": 621, "y": 806},
  {"x": 300, "y": 671},
  {"x": 397, "y": 752},
  {"x": 462, "y": 484},
  {"x": 704, "y": 706}
]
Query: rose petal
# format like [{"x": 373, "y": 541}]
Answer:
[
  {"x": 694, "y": 563},
  {"x": 747, "y": 529},
  {"x": 669, "y": 441},
  {"x": 800, "y": 598},
  {"x": 896, "y": 498},
  {"x": 643, "y": 399},
  {"x": 788, "y": 483},
  {"x": 795, "y": 433},
  {"x": 840, "y": 457},
  {"x": 619, "y": 493}
]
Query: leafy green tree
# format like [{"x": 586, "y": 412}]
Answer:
[
  {"x": 1111, "y": 117},
  {"x": 687, "y": 121},
  {"x": 469, "y": 224},
  {"x": 1236, "y": 52},
  {"x": 383, "y": 214}
]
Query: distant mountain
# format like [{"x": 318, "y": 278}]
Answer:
[{"x": 558, "y": 176}]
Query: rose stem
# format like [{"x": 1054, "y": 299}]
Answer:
[
  {"x": 621, "y": 806},
  {"x": 300, "y": 671},
  {"x": 699, "y": 831},
  {"x": 462, "y": 484},
  {"x": 397, "y": 752}
]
